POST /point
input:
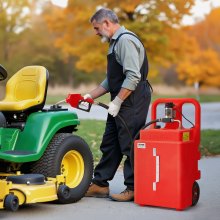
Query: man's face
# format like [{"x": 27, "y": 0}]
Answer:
[{"x": 102, "y": 30}]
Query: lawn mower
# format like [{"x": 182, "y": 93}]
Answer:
[{"x": 40, "y": 158}]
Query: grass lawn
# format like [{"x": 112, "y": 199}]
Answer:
[
  {"x": 92, "y": 131},
  {"x": 210, "y": 142}
]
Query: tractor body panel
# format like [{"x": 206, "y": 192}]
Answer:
[{"x": 30, "y": 143}]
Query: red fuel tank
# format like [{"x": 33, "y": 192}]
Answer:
[{"x": 166, "y": 159}]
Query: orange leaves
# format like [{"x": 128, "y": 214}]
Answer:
[
  {"x": 71, "y": 26},
  {"x": 202, "y": 63},
  {"x": 202, "y": 67},
  {"x": 157, "y": 23},
  {"x": 90, "y": 62},
  {"x": 207, "y": 32},
  {"x": 75, "y": 36}
]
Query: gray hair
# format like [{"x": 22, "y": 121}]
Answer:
[{"x": 103, "y": 13}]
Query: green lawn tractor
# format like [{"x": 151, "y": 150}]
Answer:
[{"x": 40, "y": 157}]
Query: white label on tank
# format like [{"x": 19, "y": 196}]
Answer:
[
  {"x": 141, "y": 145},
  {"x": 157, "y": 169}
]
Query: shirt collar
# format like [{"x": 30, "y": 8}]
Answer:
[{"x": 118, "y": 32}]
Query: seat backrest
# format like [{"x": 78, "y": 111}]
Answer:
[{"x": 27, "y": 88}]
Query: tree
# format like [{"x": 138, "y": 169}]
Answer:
[
  {"x": 207, "y": 32},
  {"x": 38, "y": 41},
  {"x": 202, "y": 67},
  {"x": 201, "y": 63},
  {"x": 152, "y": 21},
  {"x": 14, "y": 18}
]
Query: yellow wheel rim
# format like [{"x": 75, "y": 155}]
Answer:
[{"x": 72, "y": 167}]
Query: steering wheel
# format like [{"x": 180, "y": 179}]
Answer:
[{"x": 3, "y": 73}]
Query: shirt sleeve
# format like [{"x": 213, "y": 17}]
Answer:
[
  {"x": 104, "y": 84},
  {"x": 128, "y": 54}
]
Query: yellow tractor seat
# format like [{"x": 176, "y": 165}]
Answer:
[{"x": 26, "y": 89}]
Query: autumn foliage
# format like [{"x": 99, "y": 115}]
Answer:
[
  {"x": 202, "y": 64},
  {"x": 63, "y": 40}
]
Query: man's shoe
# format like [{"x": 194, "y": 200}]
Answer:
[
  {"x": 125, "y": 196},
  {"x": 97, "y": 191}
]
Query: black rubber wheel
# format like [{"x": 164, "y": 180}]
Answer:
[
  {"x": 195, "y": 193},
  {"x": 3, "y": 73},
  {"x": 11, "y": 202},
  {"x": 69, "y": 155},
  {"x": 63, "y": 193}
]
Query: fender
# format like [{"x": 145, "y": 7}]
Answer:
[{"x": 29, "y": 145}]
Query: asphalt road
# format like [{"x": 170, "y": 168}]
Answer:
[
  {"x": 208, "y": 207},
  {"x": 210, "y": 114}
]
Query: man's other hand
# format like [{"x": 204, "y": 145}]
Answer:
[{"x": 115, "y": 106}]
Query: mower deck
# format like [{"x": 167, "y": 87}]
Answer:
[{"x": 16, "y": 190}]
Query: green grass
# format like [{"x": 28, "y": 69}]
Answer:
[
  {"x": 92, "y": 130},
  {"x": 105, "y": 99},
  {"x": 210, "y": 142}
]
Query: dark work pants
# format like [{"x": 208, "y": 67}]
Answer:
[{"x": 117, "y": 142}]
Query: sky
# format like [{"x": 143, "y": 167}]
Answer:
[
  {"x": 61, "y": 3},
  {"x": 198, "y": 11}
]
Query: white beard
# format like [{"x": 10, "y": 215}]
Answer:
[{"x": 105, "y": 39}]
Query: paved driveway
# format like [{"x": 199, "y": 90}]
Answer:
[{"x": 208, "y": 207}]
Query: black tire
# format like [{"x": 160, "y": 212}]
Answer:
[
  {"x": 11, "y": 202},
  {"x": 3, "y": 73},
  {"x": 63, "y": 193},
  {"x": 195, "y": 193},
  {"x": 50, "y": 163}
]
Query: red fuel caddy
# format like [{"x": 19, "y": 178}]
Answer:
[{"x": 166, "y": 159}]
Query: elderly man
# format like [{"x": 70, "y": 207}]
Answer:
[{"x": 127, "y": 70}]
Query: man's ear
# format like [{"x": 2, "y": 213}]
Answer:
[{"x": 106, "y": 22}]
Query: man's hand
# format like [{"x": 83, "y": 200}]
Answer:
[
  {"x": 115, "y": 106},
  {"x": 85, "y": 104}
]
